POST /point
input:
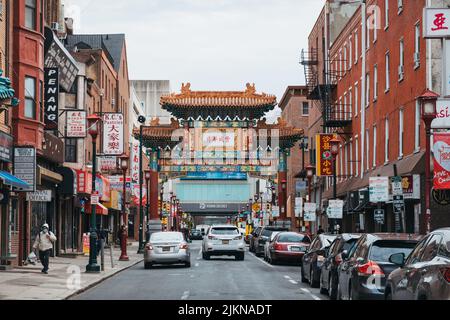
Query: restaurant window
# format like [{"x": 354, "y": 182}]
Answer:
[
  {"x": 305, "y": 108},
  {"x": 30, "y": 97},
  {"x": 30, "y": 14},
  {"x": 71, "y": 150}
]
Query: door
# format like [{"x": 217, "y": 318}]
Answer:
[
  {"x": 344, "y": 270},
  {"x": 309, "y": 256},
  {"x": 328, "y": 264}
]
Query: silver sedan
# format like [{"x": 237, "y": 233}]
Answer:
[{"x": 167, "y": 248}]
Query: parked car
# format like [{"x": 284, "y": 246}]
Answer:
[
  {"x": 314, "y": 257},
  {"x": 223, "y": 240},
  {"x": 288, "y": 247},
  {"x": 251, "y": 238},
  {"x": 166, "y": 248},
  {"x": 425, "y": 273},
  {"x": 196, "y": 235},
  {"x": 266, "y": 246},
  {"x": 363, "y": 275},
  {"x": 260, "y": 238},
  {"x": 339, "y": 249}
]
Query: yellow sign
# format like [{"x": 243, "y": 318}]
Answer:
[
  {"x": 86, "y": 244},
  {"x": 256, "y": 207}
]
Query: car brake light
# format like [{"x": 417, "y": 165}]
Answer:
[
  {"x": 148, "y": 247},
  {"x": 446, "y": 274},
  {"x": 369, "y": 268},
  {"x": 183, "y": 246},
  {"x": 277, "y": 246}
]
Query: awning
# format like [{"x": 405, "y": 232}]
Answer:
[
  {"x": 11, "y": 180},
  {"x": 99, "y": 209}
]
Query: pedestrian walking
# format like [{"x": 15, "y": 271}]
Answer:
[{"x": 44, "y": 243}]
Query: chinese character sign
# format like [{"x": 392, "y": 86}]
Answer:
[
  {"x": 436, "y": 22},
  {"x": 441, "y": 152},
  {"x": 113, "y": 134},
  {"x": 324, "y": 156},
  {"x": 76, "y": 124},
  {"x": 135, "y": 162}
]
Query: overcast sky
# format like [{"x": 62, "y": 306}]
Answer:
[{"x": 213, "y": 44}]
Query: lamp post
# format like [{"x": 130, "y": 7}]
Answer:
[
  {"x": 428, "y": 112},
  {"x": 334, "y": 152},
  {"x": 147, "y": 183},
  {"x": 170, "y": 220},
  {"x": 124, "y": 235},
  {"x": 303, "y": 147},
  {"x": 141, "y": 120},
  {"x": 94, "y": 123},
  {"x": 177, "y": 214},
  {"x": 161, "y": 194}
]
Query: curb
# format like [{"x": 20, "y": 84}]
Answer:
[{"x": 93, "y": 284}]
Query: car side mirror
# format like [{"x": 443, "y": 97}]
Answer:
[
  {"x": 360, "y": 260},
  {"x": 397, "y": 259}
]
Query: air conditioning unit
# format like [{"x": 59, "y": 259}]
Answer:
[
  {"x": 416, "y": 59},
  {"x": 401, "y": 72},
  {"x": 55, "y": 26}
]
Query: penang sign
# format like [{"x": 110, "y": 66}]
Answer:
[{"x": 51, "y": 77}]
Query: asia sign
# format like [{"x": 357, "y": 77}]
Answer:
[
  {"x": 436, "y": 22},
  {"x": 379, "y": 189},
  {"x": 442, "y": 120},
  {"x": 51, "y": 96},
  {"x": 323, "y": 155},
  {"x": 113, "y": 134},
  {"x": 441, "y": 152},
  {"x": 25, "y": 166},
  {"x": 76, "y": 124}
]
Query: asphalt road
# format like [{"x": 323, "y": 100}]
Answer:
[{"x": 221, "y": 278}]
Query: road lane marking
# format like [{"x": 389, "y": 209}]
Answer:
[
  {"x": 305, "y": 290},
  {"x": 315, "y": 297},
  {"x": 262, "y": 261},
  {"x": 197, "y": 264},
  {"x": 287, "y": 277},
  {"x": 185, "y": 295},
  {"x": 293, "y": 281}
]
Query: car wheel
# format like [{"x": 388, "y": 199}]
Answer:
[
  {"x": 205, "y": 256},
  {"x": 332, "y": 290},
  {"x": 148, "y": 265},
  {"x": 304, "y": 280},
  {"x": 241, "y": 256},
  {"x": 187, "y": 264},
  {"x": 322, "y": 289}
]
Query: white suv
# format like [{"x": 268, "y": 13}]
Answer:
[{"x": 223, "y": 240}]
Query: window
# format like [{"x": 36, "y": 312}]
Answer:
[
  {"x": 346, "y": 160},
  {"x": 345, "y": 107},
  {"x": 345, "y": 58},
  {"x": 400, "y": 134},
  {"x": 350, "y": 53},
  {"x": 41, "y": 101},
  {"x": 356, "y": 156},
  {"x": 386, "y": 14},
  {"x": 71, "y": 150},
  {"x": 305, "y": 108},
  {"x": 30, "y": 14},
  {"x": 374, "y": 160},
  {"x": 387, "y": 58},
  {"x": 401, "y": 70},
  {"x": 350, "y": 103},
  {"x": 356, "y": 100},
  {"x": 340, "y": 64},
  {"x": 341, "y": 161},
  {"x": 400, "y": 6},
  {"x": 417, "y": 127},
  {"x": 368, "y": 34},
  {"x": 356, "y": 47},
  {"x": 367, "y": 149},
  {"x": 351, "y": 157},
  {"x": 30, "y": 97},
  {"x": 375, "y": 83},
  {"x": 417, "y": 46},
  {"x": 367, "y": 89},
  {"x": 375, "y": 26},
  {"x": 386, "y": 140}
]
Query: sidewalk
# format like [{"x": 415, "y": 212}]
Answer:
[{"x": 66, "y": 276}]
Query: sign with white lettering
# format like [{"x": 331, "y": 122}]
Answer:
[
  {"x": 336, "y": 208},
  {"x": 436, "y": 22},
  {"x": 310, "y": 211},
  {"x": 76, "y": 124},
  {"x": 379, "y": 189},
  {"x": 113, "y": 134},
  {"x": 40, "y": 196},
  {"x": 298, "y": 207},
  {"x": 25, "y": 166},
  {"x": 51, "y": 96},
  {"x": 442, "y": 120}
]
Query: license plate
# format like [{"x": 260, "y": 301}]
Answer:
[
  {"x": 296, "y": 249},
  {"x": 225, "y": 241},
  {"x": 166, "y": 249}
]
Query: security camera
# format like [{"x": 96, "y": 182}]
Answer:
[{"x": 141, "y": 119}]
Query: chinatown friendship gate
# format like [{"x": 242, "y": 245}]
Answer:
[{"x": 218, "y": 131}]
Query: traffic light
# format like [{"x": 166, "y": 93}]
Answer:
[{"x": 268, "y": 207}]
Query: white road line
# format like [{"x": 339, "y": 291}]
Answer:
[
  {"x": 197, "y": 264},
  {"x": 305, "y": 290},
  {"x": 315, "y": 297},
  {"x": 293, "y": 281},
  {"x": 262, "y": 261},
  {"x": 185, "y": 295},
  {"x": 287, "y": 277}
]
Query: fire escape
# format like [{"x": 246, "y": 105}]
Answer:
[{"x": 336, "y": 114}]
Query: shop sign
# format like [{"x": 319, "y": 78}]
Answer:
[
  {"x": 40, "y": 196},
  {"x": 335, "y": 209},
  {"x": 324, "y": 156},
  {"x": 76, "y": 124},
  {"x": 309, "y": 211},
  {"x": 25, "y": 166},
  {"x": 441, "y": 152},
  {"x": 107, "y": 163},
  {"x": 378, "y": 189},
  {"x": 298, "y": 209},
  {"x": 113, "y": 134},
  {"x": 6, "y": 144},
  {"x": 436, "y": 22},
  {"x": 51, "y": 96},
  {"x": 135, "y": 162}
]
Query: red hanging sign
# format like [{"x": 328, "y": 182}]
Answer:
[{"x": 441, "y": 152}]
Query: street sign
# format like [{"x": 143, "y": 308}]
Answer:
[
  {"x": 336, "y": 208},
  {"x": 95, "y": 198},
  {"x": 398, "y": 202},
  {"x": 25, "y": 166},
  {"x": 298, "y": 207},
  {"x": 40, "y": 196},
  {"x": 275, "y": 211},
  {"x": 379, "y": 189},
  {"x": 378, "y": 215},
  {"x": 310, "y": 211}
]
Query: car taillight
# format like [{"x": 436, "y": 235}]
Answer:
[
  {"x": 211, "y": 237},
  {"x": 238, "y": 238},
  {"x": 277, "y": 246},
  {"x": 446, "y": 274},
  {"x": 183, "y": 246},
  {"x": 148, "y": 247},
  {"x": 369, "y": 268}
]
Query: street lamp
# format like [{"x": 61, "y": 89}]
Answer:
[
  {"x": 334, "y": 152},
  {"x": 124, "y": 234},
  {"x": 428, "y": 112},
  {"x": 147, "y": 180},
  {"x": 94, "y": 123}
]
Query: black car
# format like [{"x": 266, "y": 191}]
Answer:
[
  {"x": 260, "y": 239},
  {"x": 252, "y": 238},
  {"x": 363, "y": 275},
  {"x": 313, "y": 259},
  {"x": 196, "y": 235},
  {"x": 339, "y": 249}
]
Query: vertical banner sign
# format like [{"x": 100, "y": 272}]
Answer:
[
  {"x": 309, "y": 211},
  {"x": 135, "y": 162},
  {"x": 76, "y": 124},
  {"x": 113, "y": 134},
  {"x": 323, "y": 155},
  {"x": 25, "y": 166},
  {"x": 378, "y": 189},
  {"x": 441, "y": 152},
  {"x": 436, "y": 22},
  {"x": 51, "y": 78}
]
